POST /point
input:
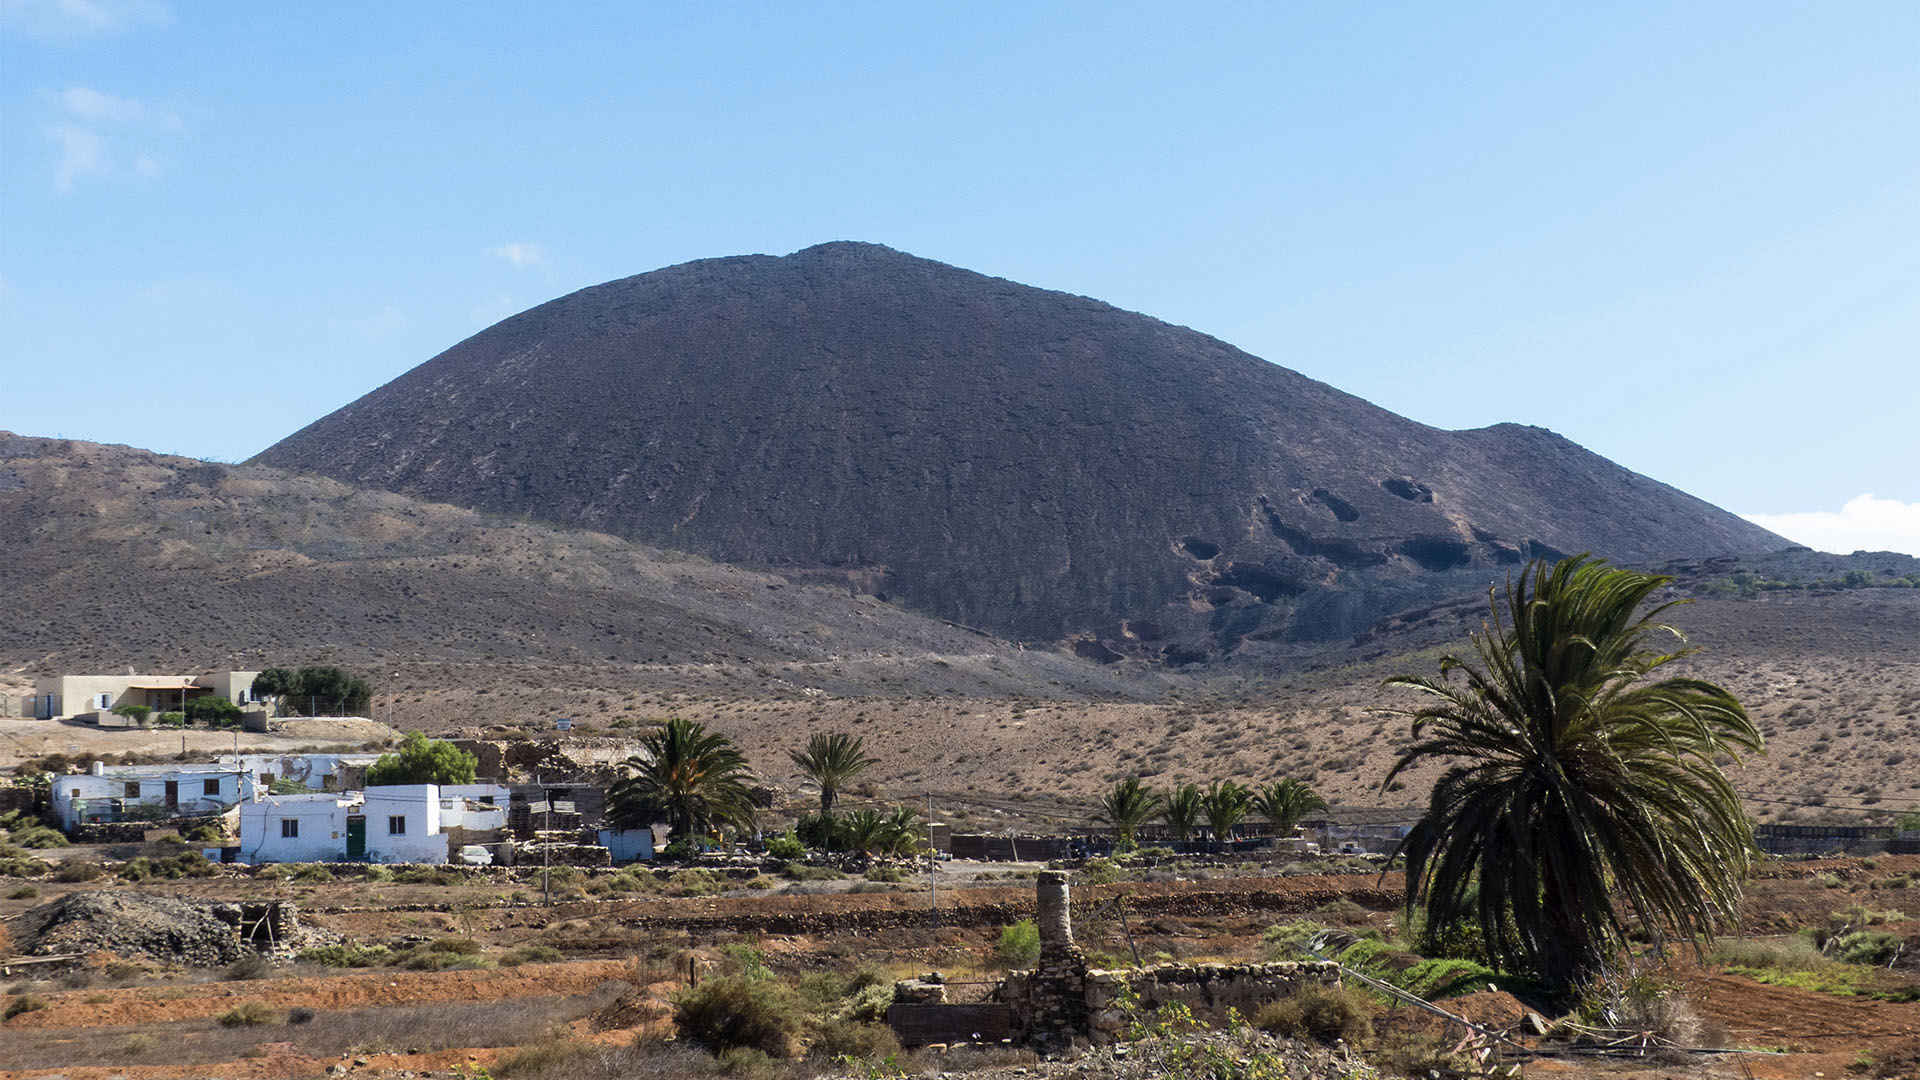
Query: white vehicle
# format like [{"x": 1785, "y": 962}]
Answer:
[{"x": 476, "y": 855}]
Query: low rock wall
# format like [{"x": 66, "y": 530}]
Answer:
[{"x": 1209, "y": 990}]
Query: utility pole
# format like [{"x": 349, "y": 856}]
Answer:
[
  {"x": 546, "y": 848},
  {"x": 933, "y": 869}
]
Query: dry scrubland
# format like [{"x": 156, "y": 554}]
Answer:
[{"x": 472, "y": 976}]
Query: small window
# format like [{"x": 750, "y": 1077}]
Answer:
[
  {"x": 133, "y": 789},
  {"x": 396, "y": 825},
  {"x": 210, "y": 787},
  {"x": 106, "y": 701},
  {"x": 488, "y": 799},
  {"x": 289, "y": 828}
]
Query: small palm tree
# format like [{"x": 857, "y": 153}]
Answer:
[
  {"x": 1285, "y": 803},
  {"x": 1225, "y": 804},
  {"x": 693, "y": 779},
  {"x": 1181, "y": 807},
  {"x": 1574, "y": 778},
  {"x": 906, "y": 834},
  {"x": 1127, "y": 806},
  {"x": 831, "y": 761},
  {"x": 867, "y": 831}
]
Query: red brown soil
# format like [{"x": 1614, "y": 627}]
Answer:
[
  {"x": 138, "y": 1005},
  {"x": 1222, "y": 917}
]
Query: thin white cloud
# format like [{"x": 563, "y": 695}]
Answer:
[
  {"x": 78, "y": 151},
  {"x": 75, "y": 18},
  {"x": 1866, "y": 523},
  {"x": 519, "y": 254},
  {"x": 81, "y": 134},
  {"x": 95, "y": 107}
]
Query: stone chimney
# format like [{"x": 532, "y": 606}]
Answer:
[{"x": 1060, "y": 976}]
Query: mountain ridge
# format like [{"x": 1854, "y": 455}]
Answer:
[{"x": 1039, "y": 464}]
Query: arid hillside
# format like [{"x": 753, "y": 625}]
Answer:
[
  {"x": 1038, "y": 464},
  {"x": 112, "y": 557}
]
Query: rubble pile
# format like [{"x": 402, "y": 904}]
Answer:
[{"x": 161, "y": 929}]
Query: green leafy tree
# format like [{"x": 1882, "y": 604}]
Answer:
[
  {"x": 212, "y": 710},
  {"x": 692, "y": 779},
  {"x": 1286, "y": 802},
  {"x": 327, "y": 688},
  {"x": 1225, "y": 805},
  {"x": 1574, "y": 778},
  {"x": 1126, "y": 806},
  {"x": 423, "y": 761},
  {"x": 136, "y": 713},
  {"x": 1181, "y": 807},
  {"x": 831, "y": 761},
  {"x": 275, "y": 683}
]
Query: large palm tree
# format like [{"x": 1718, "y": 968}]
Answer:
[
  {"x": 1126, "y": 806},
  {"x": 1285, "y": 803},
  {"x": 1181, "y": 807},
  {"x": 693, "y": 779},
  {"x": 830, "y": 761},
  {"x": 1225, "y": 805},
  {"x": 1575, "y": 778}
]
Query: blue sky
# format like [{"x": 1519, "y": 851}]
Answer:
[{"x": 1686, "y": 236}]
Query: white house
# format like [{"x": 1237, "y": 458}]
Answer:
[
  {"x": 474, "y": 807},
  {"x": 63, "y": 697},
  {"x": 380, "y": 824},
  {"x": 147, "y": 792}
]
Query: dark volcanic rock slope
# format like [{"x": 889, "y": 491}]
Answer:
[{"x": 1033, "y": 462}]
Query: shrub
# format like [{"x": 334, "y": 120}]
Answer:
[
  {"x": 1099, "y": 872},
  {"x": 555, "y": 1055},
  {"x": 1288, "y": 940},
  {"x": 311, "y": 872},
  {"x": 347, "y": 956},
  {"x": 1795, "y": 953},
  {"x": 251, "y": 966},
  {"x": 1874, "y": 947},
  {"x": 1325, "y": 1013},
  {"x": 23, "y": 1003},
  {"x": 38, "y": 837},
  {"x": 746, "y": 1063},
  {"x": 1341, "y": 912},
  {"x": 888, "y": 873},
  {"x": 786, "y": 846},
  {"x": 531, "y": 954},
  {"x": 136, "y": 713},
  {"x": 135, "y": 1045},
  {"x": 737, "y": 1011},
  {"x": 1019, "y": 943},
  {"x": 249, "y": 1014},
  {"x": 695, "y": 883},
  {"x": 171, "y": 718},
  {"x": 1442, "y": 977},
  {"x": 799, "y": 871},
  {"x": 77, "y": 871},
  {"x": 300, "y": 1015},
  {"x": 855, "y": 1039},
  {"x": 24, "y": 892}
]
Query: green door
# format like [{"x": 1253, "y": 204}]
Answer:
[{"x": 356, "y": 838}]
